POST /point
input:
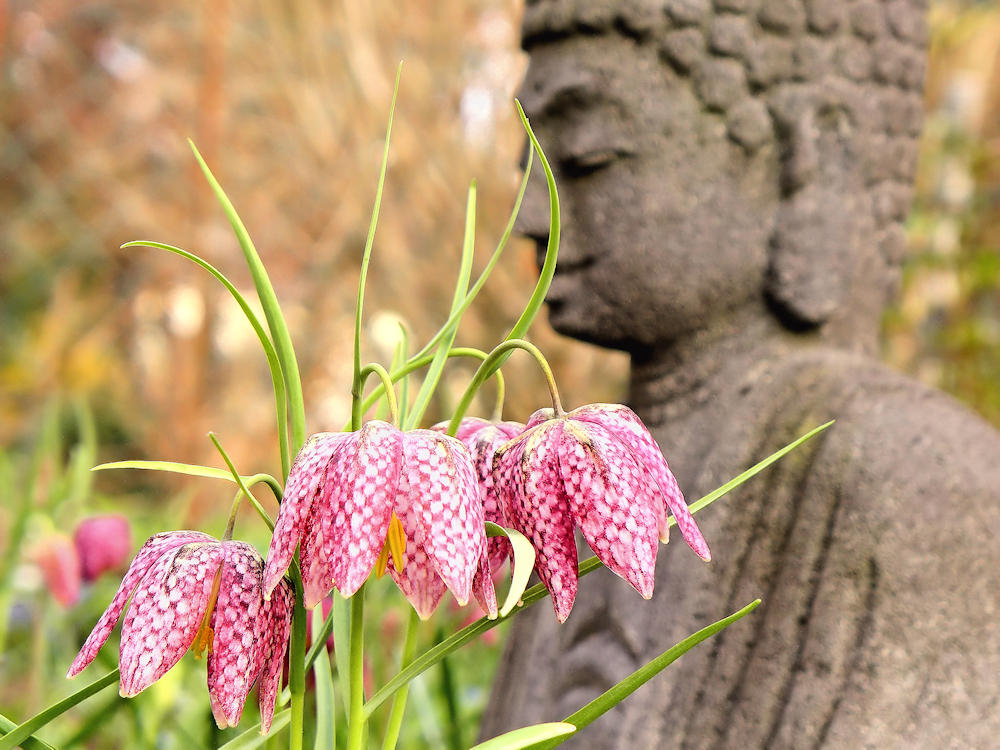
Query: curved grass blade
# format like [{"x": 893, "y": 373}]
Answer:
[
  {"x": 611, "y": 698},
  {"x": 423, "y": 398},
  {"x": 488, "y": 268},
  {"x": 194, "y": 470},
  {"x": 366, "y": 257},
  {"x": 277, "y": 379},
  {"x": 527, "y": 736},
  {"x": 272, "y": 310},
  {"x": 31, "y": 743},
  {"x": 326, "y": 735},
  {"x": 524, "y": 563},
  {"x": 27, "y": 728},
  {"x": 537, "y": 592}
]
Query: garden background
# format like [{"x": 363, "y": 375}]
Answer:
[{"x": 109, "y": 354}]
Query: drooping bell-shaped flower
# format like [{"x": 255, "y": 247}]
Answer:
[
  {"x": 378, "y": 495},
  {"x": 598, "y": 468},
  {"x": 482, "y": 437},
  {"x": 56, "y": 557},
  {"x": 189, "y": 590}
]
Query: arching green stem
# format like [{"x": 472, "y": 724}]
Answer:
[
  {"x": 390, "y": 393},
  {"x": 496, "y": 357}
]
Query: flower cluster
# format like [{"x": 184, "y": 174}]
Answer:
[{"x": 414, "y": 503}]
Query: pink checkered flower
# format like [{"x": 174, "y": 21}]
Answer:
[
  {"x": 598, "y": 468},
  {"x": 354, "y": 499},
  {"x": 482, "y": 437},
  {"x": 189, "y": 590}
]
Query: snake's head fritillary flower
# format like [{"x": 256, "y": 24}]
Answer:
[
  {"x": 380, "y": 495},
  {"x": 482, "y": 437},
  {"x": 598, "y": 468},
  {"x": 102, "y": 543},
  {"x": 189, "y": 590}
]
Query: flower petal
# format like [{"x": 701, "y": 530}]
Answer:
[
  {"x": 483, "y": 590},
  {"x": 418, "y": 580},
  {"x": 609, "y": 496},
  {"x": 535, "y": 502},
  {"x": 274, "y": 627},
  {"x": 438, "y": 486},
  {"x": 361, "y": 490},
  {"x": 235, "y": 659},
  {"x": 165, "y": 614},
  {"x": 156, "y": 546},
  {"x": 625, "y": 425},
  {"x": 317, "y": 540},
  {"x": 304, "y": 479}
]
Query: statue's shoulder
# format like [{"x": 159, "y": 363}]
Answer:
[{"x": 893, "y": 433}]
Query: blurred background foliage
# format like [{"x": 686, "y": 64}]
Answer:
[{"x": 108, "y": 354}]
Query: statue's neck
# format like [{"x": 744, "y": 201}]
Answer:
[{"x": 688, "y": 375}]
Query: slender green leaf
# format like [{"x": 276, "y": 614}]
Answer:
[
  {"x": 537, "y": 298},
  {"x": 341, "y": 613},
  {"x": 272, "y": 310},
  {"x": 31, "y": 743},
  {"x": 274, "y": 366},
  {"x": 487, "y": 269},
  {"x": 758, "y": 467},
  {"x": 395, "y": 722},
  {"x": 24, "y": 730},
  {"x": 527, "y": 736},
  {"x": 366, "y": 256},
  {"x": 427, "y": 388},
  {"x": 524, "y": 563},
  {"x": 326, "y": 735},
  {"x": 252, "y": 738}
]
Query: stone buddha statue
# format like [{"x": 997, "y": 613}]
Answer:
[{"x": 733, "y": 176}]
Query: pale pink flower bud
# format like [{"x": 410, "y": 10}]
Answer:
[{"x": 56, "y": 557}]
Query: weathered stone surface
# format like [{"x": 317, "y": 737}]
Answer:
[{"x": 747, "y": 282}]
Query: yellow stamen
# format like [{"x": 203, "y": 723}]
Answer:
[
  {"x": 395, "y": 542},
  {"x": 206, "y": 636}
]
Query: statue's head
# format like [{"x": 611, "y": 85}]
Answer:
[{"x": 720, "y": 155}]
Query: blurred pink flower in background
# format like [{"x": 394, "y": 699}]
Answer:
[
  {"x": 102, "y": 543},
  {"x": 55, "y": 555}
]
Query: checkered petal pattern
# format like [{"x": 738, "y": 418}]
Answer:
[
  {"x": 156, "y": 546},
  {"x": 275, "y": 627},
  {"x": 171, "y": 583},
  {"x": 597, "y": 468},
  {"x": 439, "y": 505},
  {"x": 341, "y": 493},
  {"x": 535, "y": 503},
  {"x": 304, "y": 479},
  {"x": 237, "y": 649},
  {"x": 166, "y": 611},
  {"x": 628, "y": 429}
]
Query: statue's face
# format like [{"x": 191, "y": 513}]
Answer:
[{"x": 665, "y": 218}]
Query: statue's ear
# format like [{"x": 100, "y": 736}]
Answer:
[{"x": 816, "y": 227}]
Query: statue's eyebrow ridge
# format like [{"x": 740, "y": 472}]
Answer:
[{"x": 576, "y": 94}]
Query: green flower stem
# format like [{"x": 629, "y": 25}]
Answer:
[
  {"x": 366, "y": 259},
  {"x": 244, "y": 491},
  {"x": 399, "y": 700},
  {"x": 30, "y": 743},
  {"x": 497, "y": 356},
  {"x": 390, "y": 393},
  {"x": 357, "y": 718},
  {"x": 297, "y": 664},
  {"x": 416, "y": 364}
]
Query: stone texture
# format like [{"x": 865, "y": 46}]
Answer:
[{"x": 748, "y": 287}]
